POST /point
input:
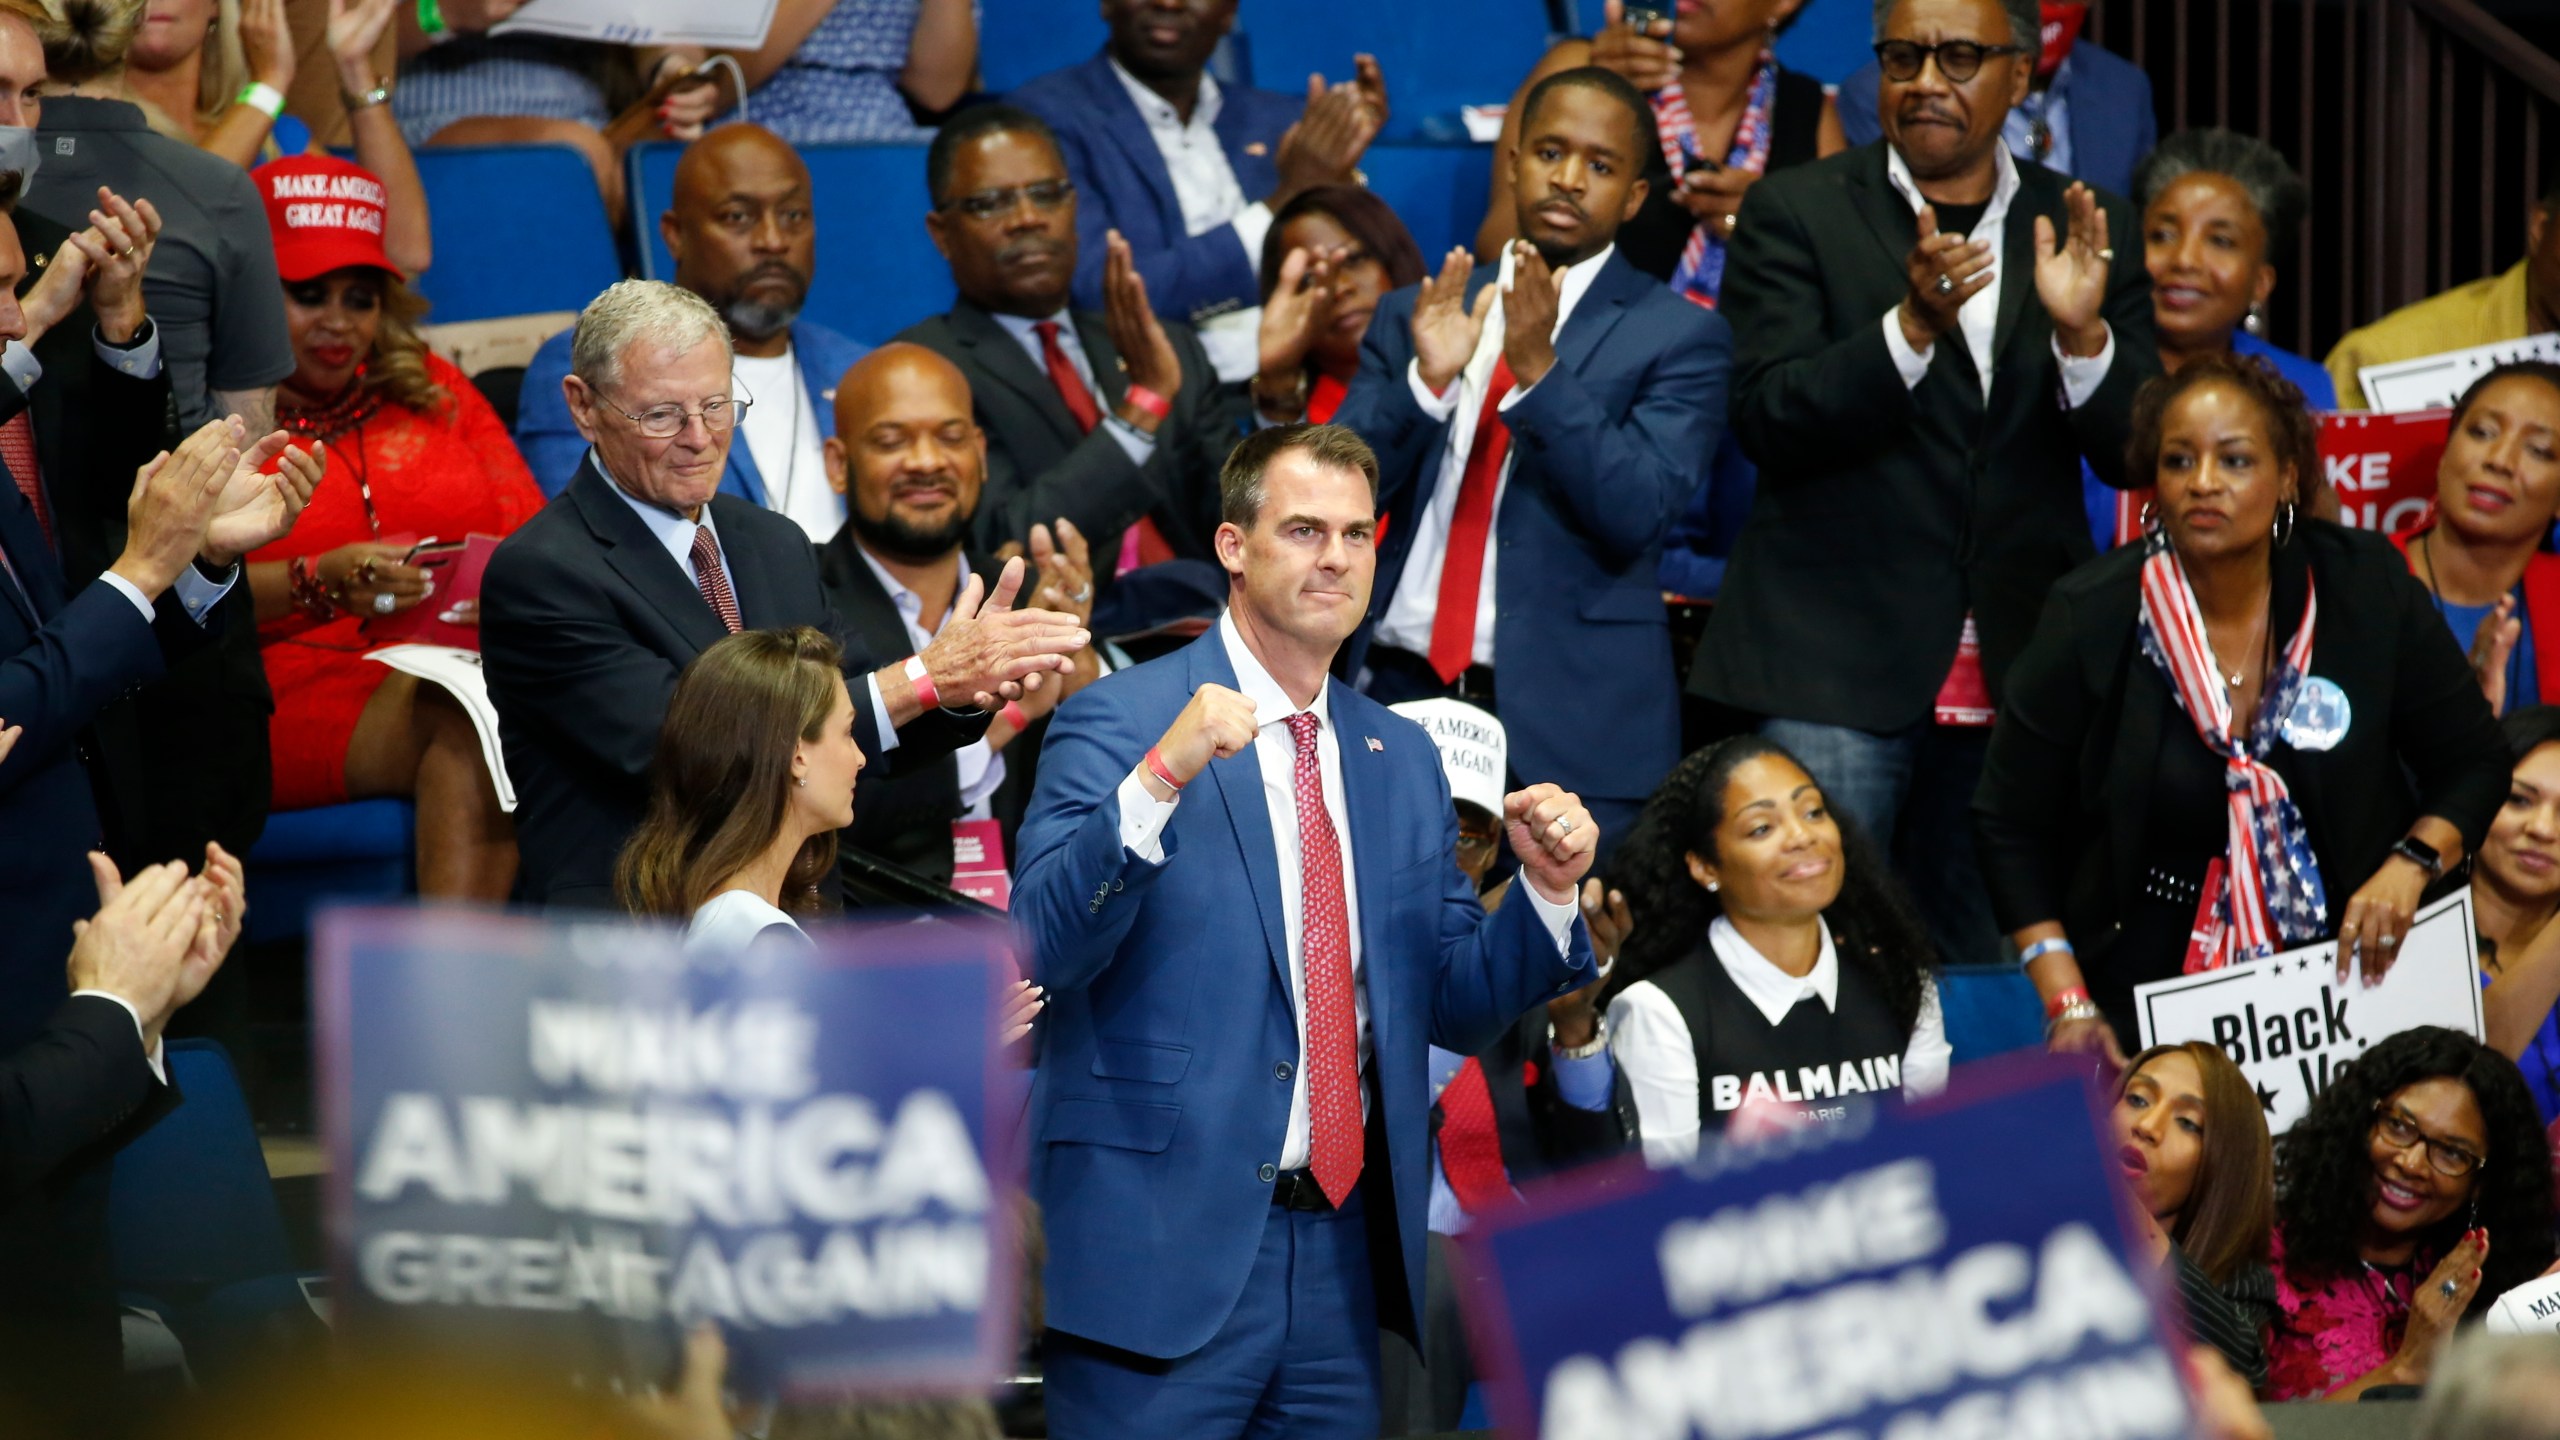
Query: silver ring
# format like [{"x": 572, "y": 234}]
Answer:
[
  {"x": 2106, "y": 254},
  {"x": 1082, "y": 594},
  {"x": 2390, "y": 942},
  {"x": 1564, "y": 824},
  {"x": 383, "y": 604},
  {"x": 2450, "y": 1289},
  {"x": 1946, "y": 285}
]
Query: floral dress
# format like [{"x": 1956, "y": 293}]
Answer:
[{"x": 2332, "y": 1329}]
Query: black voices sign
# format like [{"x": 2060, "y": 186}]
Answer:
[{"x": 2292, "y": 1025}]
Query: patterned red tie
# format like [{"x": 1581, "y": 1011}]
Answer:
[
  {"x": 1333, "y": 1056},
  {"x": 1453, "y": 619},
  {"x": 1471, "y": 1143},
  {"x": 18, "y": 452},
  {"x": 1142, "y": 543},
  {"x": 714, "y": 580}
]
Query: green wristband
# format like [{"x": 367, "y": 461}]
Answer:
[{"x": 431, "y": 19}]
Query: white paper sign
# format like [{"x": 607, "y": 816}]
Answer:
[
  {"x": 2432, "y": 382},
  {"x": 458, "y": 671},
  {"x": 2532, "y": 1308},
  {"x": 2291, "y": 1026},
  {"x": 718, "y": 24}
]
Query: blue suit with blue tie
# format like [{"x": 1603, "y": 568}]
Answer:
[{"x": 1187, "y": 1300}]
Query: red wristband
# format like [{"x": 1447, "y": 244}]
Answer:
[
  {"x": 2064, "y": 999},
  {"x": 1014, "y": 717},
  {"x": 1149, "y": 401},
  {"x": 1162, "y": 771},
  {"x": 927, "y": 697}
]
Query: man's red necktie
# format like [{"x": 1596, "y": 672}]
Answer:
[
  {"x": 18, "y": 452},
  {"x": 1453, "y": 620},
  {"x": 1471, "y": 1143},
  {"x": 713, "y": 578},
  {"x": 1143, "y": 544},
  {"x": 1333, "y": 1025}
]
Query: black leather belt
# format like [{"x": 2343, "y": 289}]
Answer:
[
  {"x": 1473, "y": 685},
  {"x": 1298, "y": 1190}
]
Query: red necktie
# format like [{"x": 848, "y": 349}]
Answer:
[
  {"x": 1453, "y": 620},
  {"x": 714, "y": 580},
  {"x": 1142, "y": 543},
  {"x": 18, "y": 452},
  {"x": 1333, "y": 1055},
  {"x": 1470, "y": 1142}
]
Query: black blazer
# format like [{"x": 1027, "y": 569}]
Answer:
[
  {"x": 586, "y": 621},
  {"x": 95, "y": 426},
  {"x": 1542, "y": 1135},
  {"x": 1040, "y": 466},
  {"x": 1884, "y": 513},
  {"x": 2061, "y": 817}
]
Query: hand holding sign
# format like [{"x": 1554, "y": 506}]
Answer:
[{"x": 2378, "y": 918}]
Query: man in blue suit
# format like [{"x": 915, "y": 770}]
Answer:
[
  {"x": 1541, "y": 423},
  {"x": 1230, "y": 1121},
  {"x": 1192, "y": 172},
  {"x": 739, "y": 226},
  {"x": 2088, "y": 114}
]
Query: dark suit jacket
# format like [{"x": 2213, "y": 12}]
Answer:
[
  {"x": 158, "y": 797},
  {"x": 2062, "y": 814},
  {"x": 1885, "y": 513},
  {"x": 1606, "y": 450},
  {"x": 1040, "y": 466},
  {"x": 1122, "y": 184},
  {"x": 585, "y": 621},
  {"x": 1541, "y": 1134},
  {"x": 2108, "y": 108}
]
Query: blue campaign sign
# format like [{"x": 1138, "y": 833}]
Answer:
[
  {"x": 584, "y": 1133},
  {"x": 1955, "y": 1270}
]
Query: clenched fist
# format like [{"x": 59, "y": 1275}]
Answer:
[{"x": 1218, "y": 722}]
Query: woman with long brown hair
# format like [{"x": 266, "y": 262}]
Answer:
[
  {"x": 752, "y": 778},
  {"x": 2192, "y": 1146}
]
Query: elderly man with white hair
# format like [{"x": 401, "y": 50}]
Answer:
[{"x": 592, "y": 607}]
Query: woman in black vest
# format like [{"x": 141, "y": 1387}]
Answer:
[{"x": 1773, "y": 961}]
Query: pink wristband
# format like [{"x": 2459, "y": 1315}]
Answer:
[
  {"x": 1149, "y": 401},
  {"x": 1014, "y": 717},
  {"x": 927, "y": 697},
  {"x": 1162, "y": 771}
]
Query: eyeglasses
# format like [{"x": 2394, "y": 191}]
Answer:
[
  {"x": 2400, "y": 1132},
  {"x": 1958, "y": 60},
  {"x": 988, "y": 204},
  {"x": 666, "y": 422}
]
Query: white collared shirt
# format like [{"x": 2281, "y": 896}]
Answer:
[
  {"x": 1137, "y": 444},
  {"x": 1979, "y": 318},
  {"x": 1407, "y": 623},
  {"x": 1651, "y": 1039},
  {"x": 1143, "y": 818},
  {"x": 781, "y": 432},
  {"x": 1204, "y": 185},
  {"x": 981, "y": 768}
]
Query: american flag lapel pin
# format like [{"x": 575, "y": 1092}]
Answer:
[{"x": 1376, "y": 744}]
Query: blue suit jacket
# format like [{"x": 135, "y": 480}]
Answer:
[
  {"x": 2112, "y": 126},
  {"x": 553, "y": 447},
  {"x": 1162, "y": 1095},
  {"x": 1122, "y": 184},
  {"x": 1607, "y": 450}
]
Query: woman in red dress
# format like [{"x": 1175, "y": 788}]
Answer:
[
  {"x": 414, "y": 453},
  {"x": 1333, "y": 253}
]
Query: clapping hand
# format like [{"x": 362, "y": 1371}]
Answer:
[
  {"x": 2491, "y": 645},
  {"x": 1146, "y": 352},
  {"x": 988, "y": 651},
  {"x": 102, "y": 264},
  {"x": 1553, "y": 836},
  {"x": 1065, "y": 566},
  {"x": 354, "y": 28},
  {"x": 140, "y": 943},
  {"x": 256, "y": 508},
  {"x": 1299, "y": 310},
  {"x": 1325, "y": 145},
  {"x": 266, "y": 42},
  {"x": 1529, "y": 314},
  {"x": 1445, "y": 327},
  {"x": 2071, "y": 278},
  {"x": 2438, "y": 1305},
  {"x": 1943, "y": 271}
]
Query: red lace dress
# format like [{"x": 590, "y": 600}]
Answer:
[
  {"x": 445, "y": 476},
  {"x": 2331, "y": 1329}
]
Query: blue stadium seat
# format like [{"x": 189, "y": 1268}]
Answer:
[
  {"x": 360, "y": 849},
  {"x": 518, "y": 229},
  {"x": 1989, "y": 1009},
  {"x": 198, "y": 1237},
  {"x": 878, "y": 272},
  {"x": 1438, "y": 54},
  {"x": 1019, "y": 39},
  {"x": 1439, "y": 191}
]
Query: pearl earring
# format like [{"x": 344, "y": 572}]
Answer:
[
  {"x": 800, "y": 780},
  {"x": 1711, "y": 887}
]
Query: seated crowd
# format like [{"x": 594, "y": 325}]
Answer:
[{"x": 2035, "y": 640}]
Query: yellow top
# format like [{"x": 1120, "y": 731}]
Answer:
[{"x": 2480, "y": 313}]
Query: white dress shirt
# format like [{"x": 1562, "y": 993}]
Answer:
[
  {"x": 1204, "y": 185},
  {"x": 1651, "y": 1039},
  {"x": 1407, "y": 623},
  {"x": 675, "y": 532},
  {"x": 1980, "y": 315},
  {"x": 781, "y": 432},
  {"x": 1143, "y": 818},
  {"x": 981, "y": 768},
  {"x": 1136, "y": 443}
]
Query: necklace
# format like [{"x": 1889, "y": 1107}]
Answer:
[
  {"x": 2233, "y": 677},
  {"x": 791, "y": 467},
  {"x": 334, "y": 417},
  {"x": 2515, "y": 657}
]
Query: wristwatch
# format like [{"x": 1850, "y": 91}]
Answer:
[
  {"x": 380, "y": 93},
  {"x": 2421, "y": 854},
  {"x": 1599, "y": 1040}
]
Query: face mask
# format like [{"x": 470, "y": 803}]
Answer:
[
  {"x": 2062, "y": 21},
  {"x": 18, "y": 152}
]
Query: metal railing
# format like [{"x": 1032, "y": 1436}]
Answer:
[{"x": 2420, "y": 125}]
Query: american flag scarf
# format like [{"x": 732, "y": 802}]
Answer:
[
  {"x": 1700, "y": 275},
  {"x": 2269, "y": 887}
]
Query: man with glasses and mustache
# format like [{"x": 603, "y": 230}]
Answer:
[
  {"x": 1931, "y": 334},
  {"x": 740, "y": 228},
  {"x": 1109, "y": 419},
  {"x": 591, "y": 608},
  {"x": 911, "y": 465}
]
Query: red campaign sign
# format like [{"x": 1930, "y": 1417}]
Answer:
[{"x": 2382, "y": 466}]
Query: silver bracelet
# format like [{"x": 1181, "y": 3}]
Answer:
[
  {"x": 2076, "y": 1010},
  {"x": 1599, "y": 1041}
]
